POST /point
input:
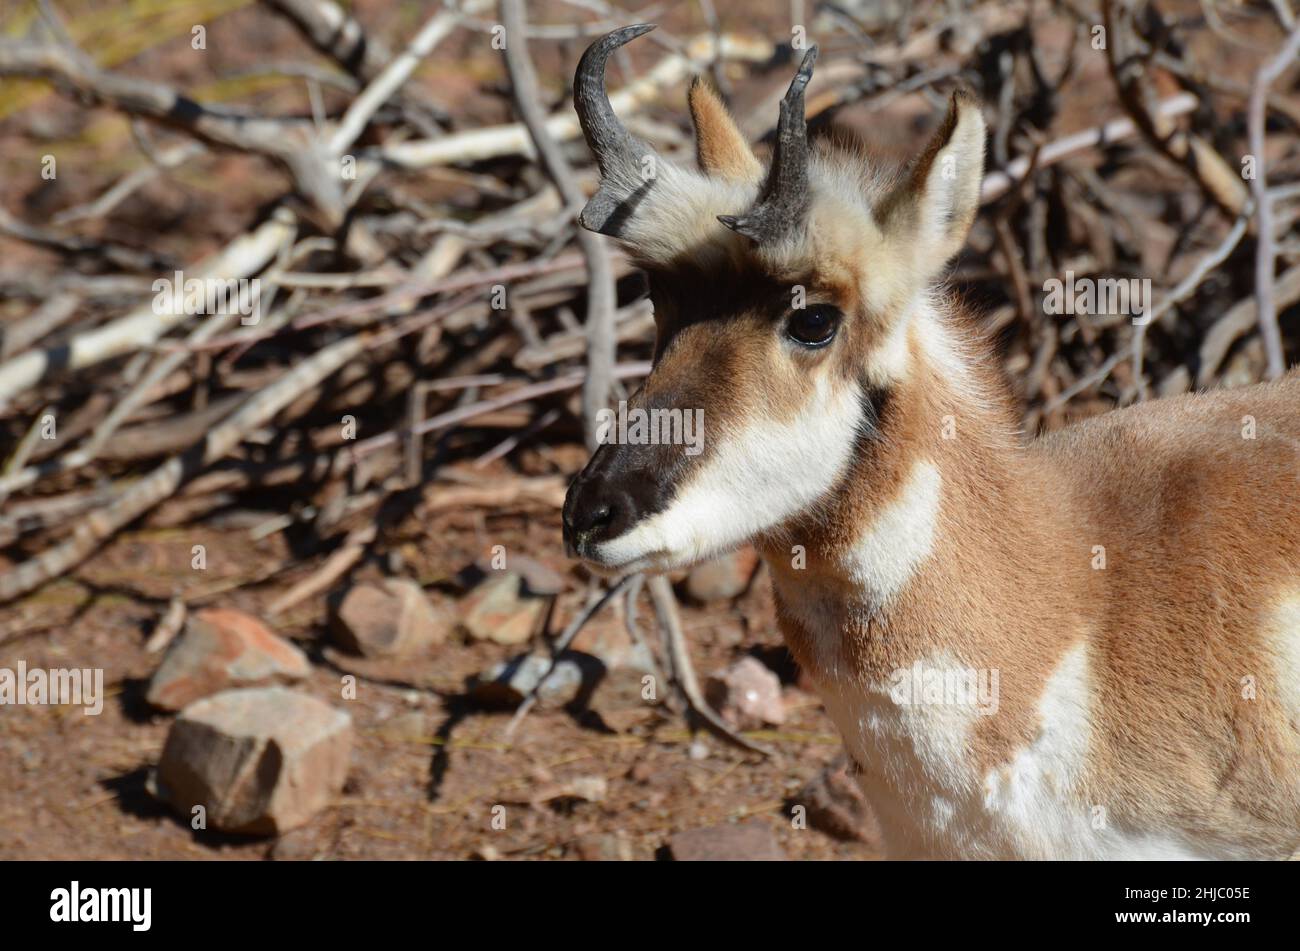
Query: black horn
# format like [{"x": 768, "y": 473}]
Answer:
[
  {"x": 618, "y": 152},
  {"x": 786, "y": 196}
]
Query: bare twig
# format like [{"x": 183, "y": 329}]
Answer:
[
  {"x": 599, "y": 382},
  {"x": 244, "y": 256},
  {"x": 169, "y": 625},
  {"x": 167, "y": 478},
  {"x": 561, "y": 645},
  {"x": 1266, "y": 238},
  {"x": 665, "y": 605}
]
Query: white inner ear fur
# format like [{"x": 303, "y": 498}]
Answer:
[
  {"x": 754, "y": 478},
  {"x": 951, "y": 194}
]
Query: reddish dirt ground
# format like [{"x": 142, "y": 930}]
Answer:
[{"x": 427, "y": 765}]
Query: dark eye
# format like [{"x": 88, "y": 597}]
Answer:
[{"x": 813, "y": 326}]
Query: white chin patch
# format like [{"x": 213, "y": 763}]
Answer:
[{"x": 753, "y": 479}]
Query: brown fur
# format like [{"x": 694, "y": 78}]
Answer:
[{"x": 1175, "y": 620}]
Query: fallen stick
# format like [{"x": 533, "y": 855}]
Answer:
[
  {"x": 243, "y": 257},
  {"x": 601, "y": 295},
  {"x": 547, "y": 490},
  {"x": 336, "y": 566},
  {"x": 391, "y": 78},
  {"x": 56, "y": 310},
  {"x": 335, "y": 33},
  {"x": 23, "y": 452},
  {"x": 1185, "y": 289},
  {"x": 524, "y": 393},
  {"x": 1239, "y": 319},
  {"x": 670, "y": 623},
  {"x": 513, "y": 139},
  {"x": 169, "y": 625},
  {"x": 998, "y": 183},
  {"x": 168, "y": 477},
  {"x": 1266, "y": 247}
]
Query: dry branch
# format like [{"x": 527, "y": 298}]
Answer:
[
  {"x": 167, "y": 478},
  {"x": 601, "y": 301},
  {"x": 242, "y": 258},
  {"x": 513, "y": 139},
  {"x": 1265, "y": 252}
]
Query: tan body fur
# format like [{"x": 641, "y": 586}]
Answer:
[{"x": 1202, "y": 556}]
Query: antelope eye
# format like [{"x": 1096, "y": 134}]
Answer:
[{"x": 813, "y": 326}]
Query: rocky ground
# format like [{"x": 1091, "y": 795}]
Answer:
[{"x": 402, "y": 754}]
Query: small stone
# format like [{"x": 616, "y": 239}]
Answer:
[
  {"x": 539, "y": 579},
  {"x": 389, "y": 619},
  {"x": 219, "y": 649},
  {"x": 624, "y": 697},
  {"x": 598, "y": 847},
  {"x": 508, "y": 683},
  {"x": 750, "y": 841},
  {"x": 408, "y": 727},
  {"x": 260, "y": 761},
  {"x": 747, "y": 695},
  {"x": 836, "y": 805},
  {"x": 722, "y": 579},
  {"x": 502, "y": 610},
  {"x": 583, "y": 788},
  {"x": 606, "y": 637},
  {"x": 301, "y": 845}
]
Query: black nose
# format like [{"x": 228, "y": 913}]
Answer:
[
  {"x": 596, "y": 509},
  {"x": 620, "y": 486}
]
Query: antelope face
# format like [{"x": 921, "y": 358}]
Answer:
[{"x": 779, "y": 328}]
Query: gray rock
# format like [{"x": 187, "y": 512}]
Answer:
[
  {"x": 749, "y": 841},
  {"x": 506, "y": 684},
  {"x": 260, "y": 761},
  {"x": 836, "y": 805}
]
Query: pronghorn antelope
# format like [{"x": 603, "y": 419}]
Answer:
[{"x": 1132, "y": 582}]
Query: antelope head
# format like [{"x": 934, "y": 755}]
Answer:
[{"x": 782, "y": 300}]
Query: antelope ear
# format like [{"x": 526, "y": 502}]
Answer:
[
  {"x": 936, "y": 204},
  {"x": 720, "y": 146}
]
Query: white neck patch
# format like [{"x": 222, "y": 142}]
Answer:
[{"x": 901, "y": 538}]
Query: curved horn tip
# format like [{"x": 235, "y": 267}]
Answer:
[
  {"x": 805, "y": 72},
  {"x": 616, "y": 38},
  {"x": 592, "y": 64}
]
